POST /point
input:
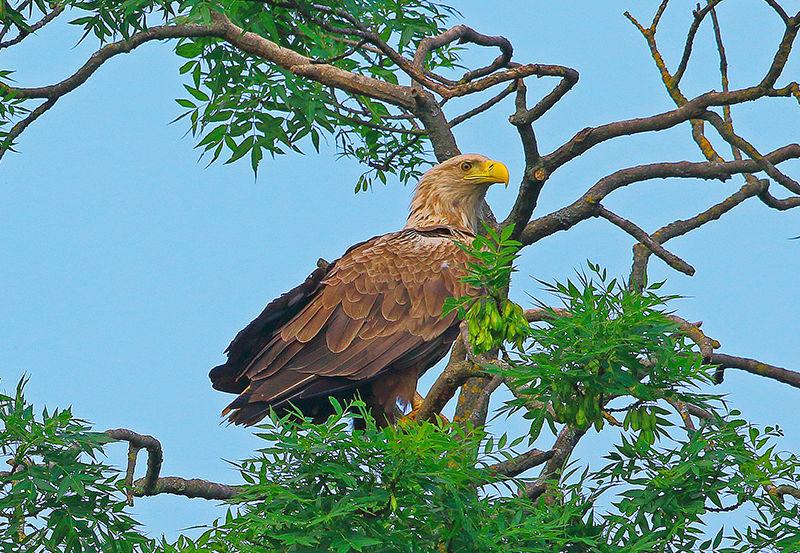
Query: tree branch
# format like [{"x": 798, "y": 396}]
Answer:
[
  {"x": 24, "y": 33},
  {"x": 792, "y": 378},
  {"x": 669, "y": 258},
  {"x": 519, "y": 464},
  {"x": 680, "y": 227},
  {"x": 585, "y": 206},
  {"x": 565, "y": 443},
  {"x": 152, "y": 483}
]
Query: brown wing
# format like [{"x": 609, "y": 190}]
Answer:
[{"x": 377, "y": 309}]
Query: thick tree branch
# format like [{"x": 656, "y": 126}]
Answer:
[
  {"x": 565, "y": 443},
  {"x": 191, "y": 488},
  {"x": 457, "y": 371},
  {"x": 137, "y": 442}
]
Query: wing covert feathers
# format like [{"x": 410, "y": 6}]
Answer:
[{"x": 348, "y": 325}]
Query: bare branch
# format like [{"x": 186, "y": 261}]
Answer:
[
  {"x": 463, "y": 35},
  {"x": 684, "y": 226},
  {"x": 778, "y": 203},
  {"x": 191, "y": 488},
  {"x": 533, "y": 178},
  {"x": 494, "y": 100},
  {"x": 519, "y": 464},
  {"x": 792, "y": 378},
  {"x": 699, "y": 15},
  {"x": 779, "y": 10},
  {"x": 137, "y": 442},
  {"x": 569, "y": 77},
  {"x": 536, "y": 315},
  {"x": 585, "y": 206},
  {"x": 457, "y": 371},
  {"x": 669, "y": 258},
  {"x": 152, "y": 483},
  {"x": 565, "y": 443},
  {"x": 706, "y": 344},
  {"x": 726, "y": 130},
  {"x": 784, "y": 489}
]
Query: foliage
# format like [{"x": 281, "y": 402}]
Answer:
[
  {"x": 608, "y": 342},
  {"x": 239, "y": 106},
  {"x": 491, "y": 318},
  {"x": 723, "y": 465},
  {"x": 56, "y": 495},
  {"x": 406, "y": 488},
  {"x": 432, "y": 487}
]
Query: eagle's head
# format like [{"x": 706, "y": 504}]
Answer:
[{"x": 451, "y": 193}]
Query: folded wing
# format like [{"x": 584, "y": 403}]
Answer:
[{"x": 373, "y": 317}]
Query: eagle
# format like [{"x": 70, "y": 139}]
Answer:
[{"x": 371, "y": 322}]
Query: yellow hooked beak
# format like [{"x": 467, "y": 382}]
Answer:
[{"x": 489, "y": 172}]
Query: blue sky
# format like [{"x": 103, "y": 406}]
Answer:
[{"x": 126, "y": 266}]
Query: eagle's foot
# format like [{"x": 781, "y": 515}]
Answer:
[{"x": 416, "y": 405}]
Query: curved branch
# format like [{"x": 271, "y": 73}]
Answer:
[
  {"x": 137, "y": 442},
  {"x": 781, "y": 204},
  {"x": 153, "y": 484},
  {"x": 464, "y": 34}
]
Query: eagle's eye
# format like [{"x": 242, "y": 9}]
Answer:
[{"x": 466, "y": 166}]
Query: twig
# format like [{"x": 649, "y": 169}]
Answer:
[
  {"x": 23, "y": 34},
  {"x": 20, "y": 126},
  {"x": 699, "y": 15},
  {"x": 494, "y": 100}
]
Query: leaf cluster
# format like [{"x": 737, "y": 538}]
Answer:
[
  {"x": 239, "y": 106},
  {"x": 412, "y": 487},
  {"x": 57, "y": 496},
  {"x": 607, "y": 342},
  {"x": 491, "y": 318}
]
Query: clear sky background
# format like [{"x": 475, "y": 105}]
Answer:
[{"x": 126, "y": 266}]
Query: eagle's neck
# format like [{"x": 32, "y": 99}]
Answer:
[{"x": 441, "y": 203}]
